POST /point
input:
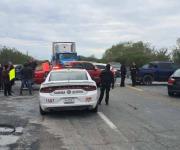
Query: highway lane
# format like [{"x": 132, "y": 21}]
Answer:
[
  {"x": 146, "y": 117},
  {"x": 136, "y": 119}
]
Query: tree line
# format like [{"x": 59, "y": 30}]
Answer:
[
  {"x": 141, "y": 53},
  {"x": 13, "y": 55},
  {"x": 126, "y": 52}
]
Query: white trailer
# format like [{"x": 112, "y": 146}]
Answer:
[{"x": 63, "y": 47}]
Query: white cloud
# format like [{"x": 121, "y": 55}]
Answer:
[{"x": 95, "y": 25}]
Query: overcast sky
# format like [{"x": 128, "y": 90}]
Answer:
[{"x": 95, "y": 25}]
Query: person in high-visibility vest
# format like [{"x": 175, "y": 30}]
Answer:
[{"x": 12, "y": 74}]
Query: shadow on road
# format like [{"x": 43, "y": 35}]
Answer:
[
  {"x": 70, "y": 114},
  {"x": 153, "y": 84}
]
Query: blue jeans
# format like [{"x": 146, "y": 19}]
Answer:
[{"x": 26, "y": 83}]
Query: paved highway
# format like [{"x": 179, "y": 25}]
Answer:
[{"x": 140, "y": 118}]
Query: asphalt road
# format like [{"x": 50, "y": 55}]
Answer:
[{"x": 140, "y": 118}]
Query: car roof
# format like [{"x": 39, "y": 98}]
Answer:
[
  {"x": 100, "y": 64},
  {"x": 178, "y": 70},
  {"x": 174, "y": 74},
  {"x": 81, "y": 62}
]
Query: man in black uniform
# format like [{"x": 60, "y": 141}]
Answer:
[
  {"x": 107, "y": 79},
  {"x": 123, "y": 74},
  {"x": 26, "y": 78},
  {"x": 134, "y": 71},
  {"x": 6, "y": 81}
]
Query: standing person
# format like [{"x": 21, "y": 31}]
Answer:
[
  {"x": 11, "y": 75},
  {"x": 1, "y": 84},
  {"x": 26, "y": 78},
  {"x": 123, "y": 74},
  {"x": 134, "y": 71},
  {"x": 32, "y": 64},
  {"x": 6, "y": 81},
  {"x": 107, "y": 79}
]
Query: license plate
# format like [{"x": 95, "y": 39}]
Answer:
[{"x": 69, "y": 101}]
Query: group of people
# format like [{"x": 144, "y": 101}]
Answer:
[
  {"x": 133, "y": 71},
  {"x": 107, "y": 80},
  {"x": 7, "y": 77}
]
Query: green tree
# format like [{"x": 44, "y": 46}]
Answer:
[
  {"x": 176, "y": 55},
  {"x": 138, "y": 52},
  {"x": 90, "y": 58},
  {"x": 13, "y": 55},
  {"x": 176, "y": 52},
  {"x": 162, "y": 55}
]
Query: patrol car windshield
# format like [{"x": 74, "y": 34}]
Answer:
[{"x": 68, "y": 75}]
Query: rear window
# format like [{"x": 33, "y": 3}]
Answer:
[
  {"x": 68, "y": 75},
  {"x": 101, "y": 66},
  {"x": 165, "y": 65},
  {"x": 145, "y": 66},
  {"x": 78, "y": 66},
  {"x": 39, "y": 68},
  {"x": 177, "y": 73},
  {"x": 88, "y": 66}
]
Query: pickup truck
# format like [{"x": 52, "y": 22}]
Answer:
[{"x": 156, "y": 71}]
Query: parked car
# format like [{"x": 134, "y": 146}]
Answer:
[
  {"x": 68, "y": 89},
  {"x": 92, "y": 69},
  {"x": 116, "y": 66},
  {"x": 41, "y": 72},
  {"x": 102, "y": 66},
  {"x": 174, "y": 83},
  {"x": 156, "y": 71},
  {"x": 18, "y": 68}
]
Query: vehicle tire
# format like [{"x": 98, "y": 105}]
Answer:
[
  {"x": 95, "y": 110},
  {"x": 170, "y": 93},
  {"x": 147, "y": 80},
  {"x": 42, "y": 112}
]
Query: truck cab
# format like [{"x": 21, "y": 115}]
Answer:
[
  {"x": 66, "y": 57},
  {"x": 63, "y": 52}
]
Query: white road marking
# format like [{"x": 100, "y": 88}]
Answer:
[
  {"x": 107, "y": 121},
  {"x": 112, "y": 126},
  {"x": 134, "y": 88},
  {"x": 8, "y": 139}
]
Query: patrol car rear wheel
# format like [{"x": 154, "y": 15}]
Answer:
[{"x": 42, "y": 112}]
